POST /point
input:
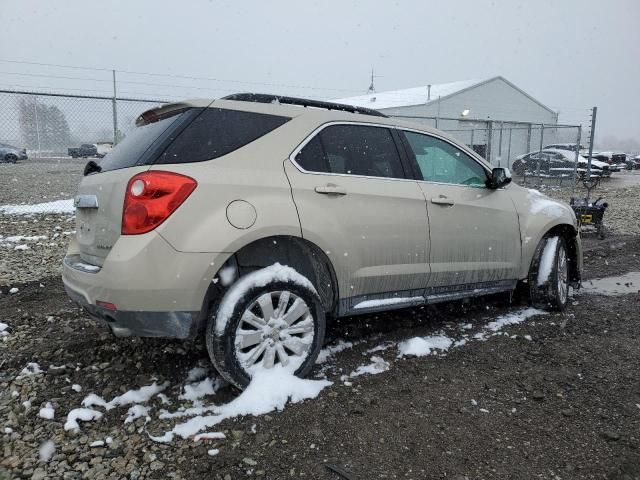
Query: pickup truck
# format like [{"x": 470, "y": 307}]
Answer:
[{"x": 85, "y": 150}]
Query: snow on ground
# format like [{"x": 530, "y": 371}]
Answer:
[
  {"x": 32, "y": 368},
  {"x": 58, "y": 206},
  {"x": 421, "y": 346},
  {"x": 83, "y": 414},
  {"x": 46, "y": 451},
  {"x": 331, "y": 350},
  {"x": 377, "y": 365},
  {"x": 47, "y": 412},
  {"x": 136, "y": 412},
  {"x": 22, "y": 238},
  {"x": 623, "y": 284},
  {"x": 547, "y": 259},
  {"x": 3, "y": 330},
  {"x": 269, "y": 390},
  {"x": 140, "y": 395},
  {"x": 197, "y": 390},
  {"x": 502, "y": 321}
]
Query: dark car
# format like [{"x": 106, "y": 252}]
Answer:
[
  {"x": 12, "y": 154},
  {"x": 555, "y": 162},
  {"x": 85, "y": 150}
]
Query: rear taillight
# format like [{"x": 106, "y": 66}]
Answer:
[{"x": 150, "y": 199}]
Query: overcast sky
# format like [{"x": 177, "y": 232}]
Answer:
[{"x": 569, "y": 54}]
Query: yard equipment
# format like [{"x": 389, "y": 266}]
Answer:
[{"x": 590, "y": 213}]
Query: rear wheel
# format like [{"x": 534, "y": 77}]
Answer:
[
  {"x": 11, "y": 158},
  {"x": 277, "y": 325},
  {"x": 549, "y": 274}
]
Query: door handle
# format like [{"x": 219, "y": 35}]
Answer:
[
  {"x": 442, "y": 200},
  {"x": 331, "y": 189}
]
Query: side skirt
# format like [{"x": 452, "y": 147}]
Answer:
[{"x": 411, "y": 298}]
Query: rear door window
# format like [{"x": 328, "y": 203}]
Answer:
[
  {"x": 352, "y": 150},
  {"x": 217, "y": 132}
]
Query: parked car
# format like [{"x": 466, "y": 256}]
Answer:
[
  {"x": 617, "y": 161},
  {"x": 557, "y": 161},
  {"x": 564, "y": 146},
  {"x": 102, "y": 148},
  {"x": 254, "y": 218},
  {"x": 633, "y": 163},
  {"x": 84, "y": 151},
  {"x": 12, "y": 154}
]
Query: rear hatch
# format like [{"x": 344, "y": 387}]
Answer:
[{"x": 101, "y": 193}]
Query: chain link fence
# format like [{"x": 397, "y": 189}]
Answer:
[
  {"x": 56, "y": 133},
  {"x": 46, "y": 138}
]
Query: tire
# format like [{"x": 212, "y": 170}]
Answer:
[
  {"x": 268, "y": 343},
  {"x": 551, "y": 293},
  {"x": 11, "y": 158},
  {"x": 518, "y": 167}
]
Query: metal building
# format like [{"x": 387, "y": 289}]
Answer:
[{"x": 493, "y": 116}]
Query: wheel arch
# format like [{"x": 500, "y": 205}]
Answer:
[
  {"x": 296, "y": 252},
  {"x": 574, "y": 250}
]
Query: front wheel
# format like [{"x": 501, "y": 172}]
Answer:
[
  {"x": 549, "y": 274},
  {"x": 264, "y": 325}
]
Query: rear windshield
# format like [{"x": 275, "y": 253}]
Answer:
[
  {"x": 217, "y": 132},
  {"x": 192, "y": 135},
  {"x": 141, "y": 145}
]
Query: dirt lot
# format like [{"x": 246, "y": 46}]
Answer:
[{"x": 554, "y": 396}]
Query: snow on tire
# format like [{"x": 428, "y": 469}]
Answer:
[
  {"x": 549, "y": 274},
  {"x": 270, "y": 318}
]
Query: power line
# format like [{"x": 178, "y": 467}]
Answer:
[{"x": 187, "y": 77}]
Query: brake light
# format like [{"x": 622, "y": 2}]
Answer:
[{"x": 150, "y": 199}]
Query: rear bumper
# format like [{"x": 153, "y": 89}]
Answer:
[
  {"x": 156, "y": 290},
  {"x": 180, "y": 325}
]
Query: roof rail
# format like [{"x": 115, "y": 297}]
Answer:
[{"x": 303, "y": 102}]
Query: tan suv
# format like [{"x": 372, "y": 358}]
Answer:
[{"x": 254, "y": 218}]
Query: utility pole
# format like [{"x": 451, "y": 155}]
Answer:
[
  {"x": 372, "y": 88},
  {"x": 35, "y": 112},
  {"x": 115, "y": 111},
  {"x": 594, "y": 111}
]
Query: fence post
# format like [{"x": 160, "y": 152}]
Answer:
[
  {"x": 489, "y": 140},
  {"x": 509, "y": 149},
  {"x": 541, "y": 136},
  {"x": 35, "y": 111},
  {"x": 472, "y": 130},
  {"x": 500, "y": 145},
  {"x": 115, "y": 110},
  {"x": 575, "y": 167},
  {"x": 529, "y": 138}
]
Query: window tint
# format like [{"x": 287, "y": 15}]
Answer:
[
  {"x": 353, "y": 150},
  {"x": 440, "y": 161},
  {"x": 217, "y": 132}
]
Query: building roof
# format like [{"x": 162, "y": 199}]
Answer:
[{"x": 421, "y": 95}]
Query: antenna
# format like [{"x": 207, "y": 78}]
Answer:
[{"x": 372, "y": 88}]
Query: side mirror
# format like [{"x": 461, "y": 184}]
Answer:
[{"x": 499, "y": 178}]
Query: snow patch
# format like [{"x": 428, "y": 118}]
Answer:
[
  {"x": 422, "y": 346},
  {"x": 59, "y": 206},
  {"x": 619, "y": 285},
  {"x": 140, "y": 395},
  {"x": 83, "y": 414},
  {"x": 136, "y": 412},
  {"x": 3, "y": 330},
  {"x": 269, "y": 390},
  {"x": 47, "y": 412},
  {"x": 194, "y": 391},
  {"x": 46, "y": 451},
  {"x": 330, "y": 351},
  {"x": 32, "y": 368},
  {"x": 378, "y": 365}
]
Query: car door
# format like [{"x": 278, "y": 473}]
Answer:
[
  {"x": 474, "y": 230},
  {"x": 355, "y": 201}
]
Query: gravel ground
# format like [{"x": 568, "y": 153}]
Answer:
[
  {"x": 558, "y": 397},
  {"x": 40, "y": 180}
]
